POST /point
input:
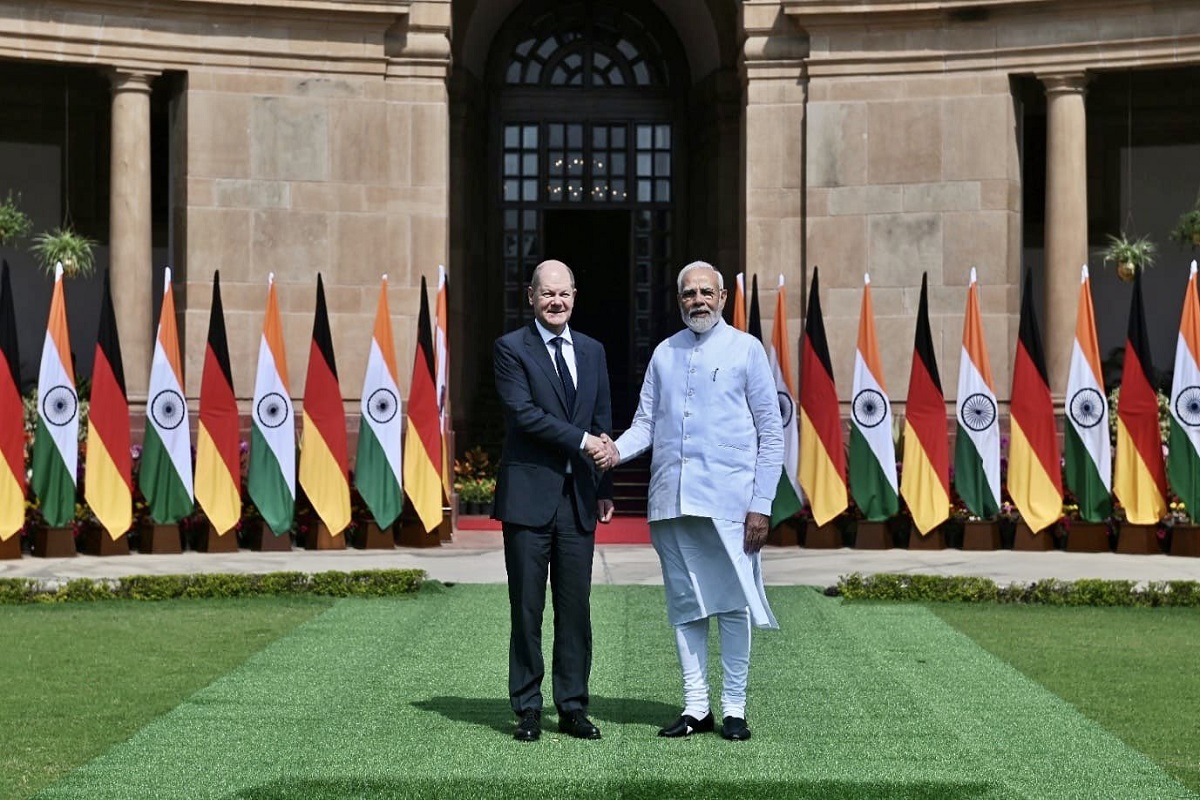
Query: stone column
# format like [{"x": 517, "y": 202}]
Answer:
[
  {"x": 130, "y": 225},
  {"x": 1066, "y": 217},
  {"x": 776, "y": 91}
]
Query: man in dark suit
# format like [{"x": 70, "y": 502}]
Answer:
[{"x": 553, "y": 383}]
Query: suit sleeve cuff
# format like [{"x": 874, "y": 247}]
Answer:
[
  {"x": 583, "y": 441},
  {"x": 761, "y": 505}
]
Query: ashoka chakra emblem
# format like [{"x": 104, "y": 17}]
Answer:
[
  {"x": 168, "y": 409},
  {"x": 59, "y": 405},
  {"x": 869, "y": 408},
  {"x": 272, "y": 410},
  {"x": 1087, "y": 408},
  {"x": 787, "y": 409},
  {"x": 1187, "y": 406},
  {"x": 978, "y": 412},
  {"x": 382, "y": 406}
]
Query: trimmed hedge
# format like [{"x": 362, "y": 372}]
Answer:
[
  {"x": 1052, "y": 592},
  {"x": 360, "y": 583}
]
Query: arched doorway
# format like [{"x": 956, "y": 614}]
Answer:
[{"x": 585, "y": 146}]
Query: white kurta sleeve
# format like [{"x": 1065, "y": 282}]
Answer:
[
  {"x": 764, "y": 407},
  {"x": 640, "y": 435}
]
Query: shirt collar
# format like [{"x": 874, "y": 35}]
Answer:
[{"x": 547, "y": 335}]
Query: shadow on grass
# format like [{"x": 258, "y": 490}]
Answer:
[
  {"x": 496, "y": 713},
  {"x": 631, "y": 789}
]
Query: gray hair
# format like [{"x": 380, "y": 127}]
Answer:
[
  {"x": 699, "y": 265},
  {"x": 550, "y": 262}
]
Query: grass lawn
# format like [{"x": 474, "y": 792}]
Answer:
[
  {"x": 406, "y": 698},
  {"x": 1133, "y": 670}
]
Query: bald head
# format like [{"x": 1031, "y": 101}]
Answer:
[{"x": 550, "y": 267}]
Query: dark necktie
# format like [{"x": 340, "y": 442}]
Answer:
[{"x": 564, "y": 374}]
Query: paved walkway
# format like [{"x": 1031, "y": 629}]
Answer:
[{"x": 476, "y": 557}]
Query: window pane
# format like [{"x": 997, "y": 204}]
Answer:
[
  {"x": 529, "y": 245},
  {"x": 662, "y": 137},
  {"x": 513, "y": 75},
  {"x": 512, "y": 190},
  {"x": 557, "y": 162},
  {"x": 510, "y": 219},
  {"x": 529, "y": 220},
  {"x": 529, "y": 164},
  {"x": 510, "y": 244},
  {"x": 574, "y": 191},
  {"x": 529, "y": 191},
  {"x": 575, "y": 162},
  {"x": 534, "y": 73},
  {"x": 618, "y": 163},
  {"x": 643, "y": 192},
  {"x": 512, "y": 136},
  {"x": 643, "y": 137},
  {"x": 662, "y": 191},
  {"x": 618, "y": 190},
  {"x": 643, "y": 164},
  {"x": 548, "y": 47},
  {"x": 641, "y": 75},
  {"x": 529, "y": 135},
  {"x": 555, "y": 133},
  {"x": 618, "y": 137},
  {"x": 511, "y": 162},
  {"x": 662, "y": 164},
  {"x": 600, "y": 192},
  {"x": 574, "y": 136}
]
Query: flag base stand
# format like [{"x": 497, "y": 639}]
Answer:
[
  {"x": 95, "y": 541},
  {"x": 262, "y": 539},
  {"x": 870, "y": 535},
  {"x": 822, "y": 537},
  {"x": 410, "y": 532},
  {"x": 446, "y": 529},
  {"x": 214, "y": 542},
  {"x": 53, "y": 543},
  {"x": 158, "y": 539},
  {"x": 1026, "y": 539},
  {"x": 980, "y": 535},
  {"x": 1185, "y": 541},
  {"x": 783, "y": 535},
  {"x": 934, "y": 540},
  {"x": 1138, "y": 540},
  {"x": 1088, "y": 537},
  {"x": 371, "y": 537},
  {"x": 10, "y": 548},
  {"x": 318, "y": 537}
]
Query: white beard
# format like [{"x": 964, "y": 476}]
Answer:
[{"x": 699, "y": 325}]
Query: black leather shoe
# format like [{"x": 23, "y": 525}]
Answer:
[
  {"x": 529, "y": 729},
  {"x": 576, "y": 723},
  {"x": 734, "y": 729},
  {"x": 687, "y": 725}
]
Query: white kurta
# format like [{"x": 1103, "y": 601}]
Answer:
[{"x": 710, "y": 413}]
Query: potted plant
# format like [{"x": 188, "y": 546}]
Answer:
[
  {"x": 1187, "y": 230},
  {"x": 14, "y": 223},
  {"x": 63, "y": 245},
  {"x": 1130, "y": 255}
]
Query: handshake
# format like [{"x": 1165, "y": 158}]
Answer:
[{"x": 603, "y": 451}]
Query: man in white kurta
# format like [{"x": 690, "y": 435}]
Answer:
[{"x": 709, "y": 413}]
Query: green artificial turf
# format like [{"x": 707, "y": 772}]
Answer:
[
  {"x": 79, "y": 677},
  {"x": 1133, "y": 670},
  {"x": 406, "y": 698}
]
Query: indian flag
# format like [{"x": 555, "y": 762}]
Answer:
[
  {"x": 165, "y": 476},
  {"x": 977, "y": 443},
  {"x": 788, "y": 497},
  {"x": 271, "y": 474},
  {"x": 1088, "y": 470},
  {"x": 1183, "y": 461},
  {"x": 441, "y": 369},
  {"x": 873, "y": 482},
  {"x": 378, "y": 469},
  {"x": 56, "y": 441}
]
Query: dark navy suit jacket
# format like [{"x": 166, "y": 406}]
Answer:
[{"x": 541, "y": 436}]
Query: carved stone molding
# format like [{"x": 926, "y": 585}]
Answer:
[
  {"x": 1064, "y": 82},
  {"x": 418, "y": 44},
  {"x": 774, "y": 47}
]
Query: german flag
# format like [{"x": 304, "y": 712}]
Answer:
[
  {"x": 108, "y": 482},
  {"x": 1034, "y": 471},
  {"x": 822, "y": 456},
  {"x": 754, "y": 321},
  {"x": 12, "y": 417},
  {"x": 925, "y": 480},
  {"x": 1139, "y": 475},
  {"x": 218, "y": 463},
  {"x": 423, "y": 430},
  {"x": 323, "y": 450}
]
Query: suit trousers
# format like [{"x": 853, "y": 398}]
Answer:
[{"x": 564, "y": 551}]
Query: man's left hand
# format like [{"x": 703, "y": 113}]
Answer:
[
  {"x": 756, "y": 531},
  {"x": 604, "y": 510}
]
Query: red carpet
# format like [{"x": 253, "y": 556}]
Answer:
[{"x": 622, "y": 530}]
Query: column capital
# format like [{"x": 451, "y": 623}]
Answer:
[
  {"x": 132, "y": 80},
  {"x": 774, "y": 46},
  {"x": 1064, "y": 82}
]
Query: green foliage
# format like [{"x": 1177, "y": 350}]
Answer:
[
  {"x": 74, "y": 250},
  {"x": 1123, "y": 250},
  {"x": 14, "y": 223},
  {"x": 1187, "y": 230},
  {"x": 1050, "y": 592},
  {"x": 362, "y": 583}
]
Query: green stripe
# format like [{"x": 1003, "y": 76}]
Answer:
[
  {"x": 1083, "y": 480},
  {"x": 869, "y": 486},
  {"x": 374, "y": 479},
  {"x": 786, "y": 504},
  {"x": 51, "y": 480},
  {"x": 1183, "y": 468},
  {"x": 159, "y": 481},
  {"x": 970, "y": 477},
  {"x": 268, "y": 490}
]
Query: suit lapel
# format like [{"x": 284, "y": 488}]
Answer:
[
  {"x": 541, "y": 357},
  {"x": 585, "y": 377}
]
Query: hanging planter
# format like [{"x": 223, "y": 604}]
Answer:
[
  {"x": 63, "y": 245},
  {"x": 1187, "y": 230},
  {"x": 1130, "y": 255},
  {"x": 14, "y": 223}
]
